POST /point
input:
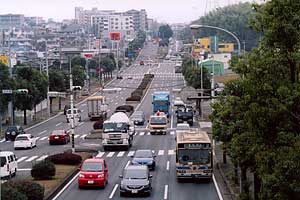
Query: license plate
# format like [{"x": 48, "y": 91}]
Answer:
[
  {"x": 134, "y": 191},
  {"x": 56, "y": 137},
  {"x": 90, "y": 182}
]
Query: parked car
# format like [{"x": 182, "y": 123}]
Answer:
[
  {"x": 119, "y": 77},
  {"x": 93, "y": 172},
  {"x": 25, "y": 141},
  {"x": 8, "y": 164},
  {"x": 138, "y": 118},
  {"x": 136, "y": 179},
  {"x": 12, "y": 132},
  {"x": 144, "y": 157},
  {"x": 59, "y": 137},
  {"x": 142, "y": 62}
]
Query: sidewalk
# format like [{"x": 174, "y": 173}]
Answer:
[{"x": 42, "y": 115}]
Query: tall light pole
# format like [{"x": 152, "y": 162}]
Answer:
[
  {"x": 198, "y": 26},
  {"x": 72, "y": 107},
  {"x": 48, "y": 87}
]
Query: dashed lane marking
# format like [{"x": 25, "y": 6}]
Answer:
[
  {"x": 113, "y": 191},
  {"x": 44, "y": 138},
  {"x": 44, "y": 131},
  {"x": 58, "y": 124},
  {"x": 31, "y": 158},
  {"x": 22, "y": 158},
  {"x": 42, "y": 158}
]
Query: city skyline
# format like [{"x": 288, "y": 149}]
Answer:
[{"x": 177, "y": 12}]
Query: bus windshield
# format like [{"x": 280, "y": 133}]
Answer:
[
  {"x": 160, "y": 102},
  {"x": 197, "y": 156}
]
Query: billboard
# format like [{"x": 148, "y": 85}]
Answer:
[
  {"x": 4, "y": 60},
  {"x": 115, "y": 36}
]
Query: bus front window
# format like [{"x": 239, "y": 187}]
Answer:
[{"x": 196, "y": 156}]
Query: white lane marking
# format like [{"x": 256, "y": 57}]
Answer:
[
  {"x": 130, "y": 153},
  {"x": 100, "y": 154},
  {"x": 161, "y": 152},
  {"x": 142, "y": 133},
  {"x": 3, "y": 140},
  {"x": 44, "y": 138},
  {"x": 172, "y": 132},
  {"x": 37, "y": 138},
  {"x": 128, "y": 162},
  {"x": 113, "y": 191},
  {"x": 166, "y": 192},
  {"x": 44, "y": 131},
  {"x": 25, "y": 169},
  {"x": 110, "y": 154},
  {"x": 148, "y": 133},
  {"x": 22, "y": 158},
  {"x": 217, "y": 187},
  {"x": 31, "y": 158},
  {"x": 42, "y": 158},
  {"x": 83, "y": 136},
  {"x": 66, "y": 186},
  {"x": 76, "y": 136},
  {"x": 80, "y": 123},
  {"x": 58, "y": 124},
  {"x": 121, "y": 153},
  {"x": 171, "y": 152},
  {"x": 8, "y": 141},
  {"x": 168, "y": 165}
]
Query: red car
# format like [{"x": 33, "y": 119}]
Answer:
[
  {"x": 142, "y": 62},
  {"x": 93, "y": 172},
  {"x": 59, "y": 137}
]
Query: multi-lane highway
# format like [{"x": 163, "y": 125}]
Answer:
[{"x": 164, "y": 183}]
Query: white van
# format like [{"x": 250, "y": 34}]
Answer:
[{"x": 9, "y": 165}]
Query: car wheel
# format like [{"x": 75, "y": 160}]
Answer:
[
  {"x": 15, "y": 172},
  {"x": 50, "y": 143},
  {"x": 121, "y": 194}
]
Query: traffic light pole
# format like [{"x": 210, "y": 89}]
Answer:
[{"x": 72, "y": 108}]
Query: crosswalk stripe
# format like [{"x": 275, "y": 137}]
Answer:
[
  {"x": 130, "y": 153},
  {"x": 44, "y": 138},
  {"x": 76, "y": 136},
  {"x": 121, "y": 153},
  {"x": 22, "y": 158},
  {"x": 148, "y": 133},
  {"x": 161, "y": 152},
  {"x": 172, "y": 132},
  {"x": 110, "y": 154},
  {"x": 42, "y": 158},
  {"x": 142, "y": 133},
  {"x": 171, "y": 152},
  {"x": 31, "y": 158},
  {"x": 100, "y": 154},
  {"x": 83, "y": 136}
]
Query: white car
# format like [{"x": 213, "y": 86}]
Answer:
[
  {"x": 25, "y": 141},
  {"x": 182, "y": 127},
  {"x": 8, "y": 164}
]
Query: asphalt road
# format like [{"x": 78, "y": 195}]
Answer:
[{"x": 164, "y": 183}]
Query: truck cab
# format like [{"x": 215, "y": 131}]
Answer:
[{"x": 158, "y": 123}]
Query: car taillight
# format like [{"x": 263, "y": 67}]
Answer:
[{"x": 81, "y": 176}]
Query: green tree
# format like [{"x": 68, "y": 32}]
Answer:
[
  {"x": 78, "y": 61},
  {"x": 165, "y": 31},
  {"x": 78, "y": 75},
  {"x": 56, "y": 83},
  {"x": 5, "y": 83}
]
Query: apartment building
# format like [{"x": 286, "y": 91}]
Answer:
[{"x": 11, "y": 21}]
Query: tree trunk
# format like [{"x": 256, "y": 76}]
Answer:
[
  {"x": 257, "y": 185},
  {"x": 51, "y": 105},
  {"x": 244, "y": 187},
  {"x": 59, "y": 103},
  {"x": 224, "y": 153},
  {"x": 236, "y": 174},
  {"x": 25, "y": 117}
]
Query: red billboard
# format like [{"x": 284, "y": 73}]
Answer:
[{"x": 116, "y": 36}]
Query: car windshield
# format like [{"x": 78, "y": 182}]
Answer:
[
  {"x": 115, "y": 127},
  {"x": 160, "y": 102},
  {"x": 183, "y": 127},
  {"x": 19, "y": 138},
  {"x": 135, "y": 174},
  {"x": 92, "y": 167},
  {"x": 137, "y": 117},
  {"x": 197, "y": 156},
  {"x": 158, "y": 120},
  {"x": 12, "y": 128},
  {"x": 143, "y": 154},
  {"x": 58, "y": 132},
  {"x": 3, "y": 161}
]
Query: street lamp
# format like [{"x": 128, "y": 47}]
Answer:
[{"x": 198, "y": 26}]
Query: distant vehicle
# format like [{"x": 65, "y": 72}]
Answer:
[
  {"x": 161, "y": 102},
  {"x": 93, "y": 173},
  {"x": 59, "y": 136},
  {"x": 12, "y": 132},
  {"x": 127, "y": 109},
  {"x": 85, "y": 92},
  {"x": 142, "y": 62},
  {"x": 144, "y": 157},
  {"x": 76, "y": 114},
  {"x": 178, "y": 103},
  {"x": 118, "y": 131},
  {"x": 136, "y": 179},
  {"x": 138, "y": 118},
  {"x": 194, "y": 155},
  {"x": 111, "y": 90},
  {"x": 25, "y": 141},
  {"x": 97, "y": 107},
  {"x": 119, "y": 77},
  {"x": 8, "y": 164},
  {"x": 185, "y": 114},
  {"x": 67, "y": 107},
  {"x": 158, "y": 123},
  {"x": 129, "y": 77}
]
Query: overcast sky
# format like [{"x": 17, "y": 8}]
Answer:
[{"x": 172, "y": 11}]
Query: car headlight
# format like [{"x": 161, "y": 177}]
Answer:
[
  {"x": 100, "y": 175},
  {"x": 81, "y": 176}
]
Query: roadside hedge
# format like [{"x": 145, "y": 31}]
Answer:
[
  {"x": 65, "y": 158},
  {"x": 8, "y": 192},
  {"x": 31, "y": 189},
  {"x": 43, "y": 170},
  {"x": 138, "y": 93}
]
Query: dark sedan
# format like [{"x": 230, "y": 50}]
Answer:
[
  {"x": 138, "y": 118},
  {"x": 136, "y": 179},
  {"x": 144, "y": 157},
  {"x": 12, "y": 132}
]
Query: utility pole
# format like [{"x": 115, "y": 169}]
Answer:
[
  {"x": 72, "y": 107},
  {"x": 10, "y": 103},
  {"x": 48, "y": 87},
  {"x": 99, "y": 60}
]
